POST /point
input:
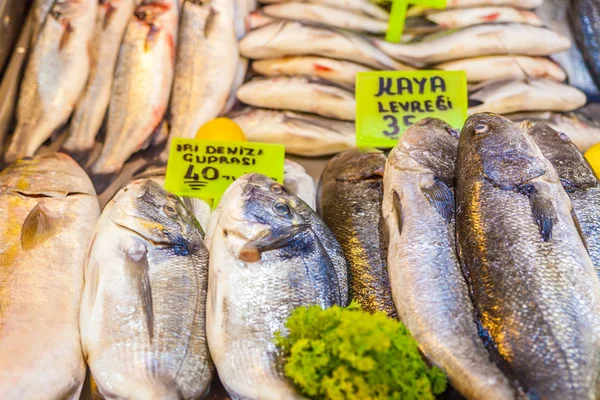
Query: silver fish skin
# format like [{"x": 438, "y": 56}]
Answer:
[
  {"x": 300, "y": 94},
  {"x": 49, "y": 209},
  {"x": 501, "y": 68},
  {"x": 142, "y": 85},
  {"x": 533, "y": 285},
  {"x": 485, "y": 39},
  {"x": 302, "y": 134},
  {"x": 265, "y": 262},
  {"x": 361, "y": 6},
  {"x": 504, "y": 97},
  {"x": 322, "y": 14},
  {"x": 55, "y": 75},
  {"x": 429, "y": 290},
  {"x": 336, "y": 71},
  {"x": 144, "y": 302},
  {"x": 459, "y": 18},
  {"x": 300, "y": 183},
  {"x": 293, "y": 38},
  {"x": 207, "y": 60},
  {"x": 111, "y": 22},
  {"x": 527, "y": 4}
]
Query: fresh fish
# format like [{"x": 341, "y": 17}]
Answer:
[
  {"x": 360, "y": 6},
  {"x": 293, "y": 38},
  {"x": 300, "y": 94},
  {"x": 428, "y": 287},
  {"x": 336, "y": 71},
  {"x": 207, "y": 60},
  {"x": 349, "y": 201},
  {"x": 500, "y": 68},
  {"x": 55, "y": 75},
  {"x": 505, "y": 97},
  {"x": 144, "y": 303},
  {"x": 111, "y": 22},
  {"x": 482, "y": 40},
  {"x": 300, "y": 183},
  {"x": 585, "y": 22},
  {"x": 49, "y": 209},
  {"x": 327, "y": 15},
  {"x": 141, "y": 88},
  {"x": 512, "y": 3},
  {"x": 302, "y": 134},
  {"x": 238, "y": 81},
  {"x": 459, "y": 18},
  {"x": 533, "y": 285},
  {"x": 264, "y": 252}
]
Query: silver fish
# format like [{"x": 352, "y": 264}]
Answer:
[
  {"x": 49, "y": 209},
  {"x": 361, "y": 6},
  {"x": 533, "y": 285},
  {"x": 511, "y": 3},
  {"x": 300, "y": 183},
  {"x": 299, "y": 94},
  {"x": 55, "y": 75},
  {"x": 459, "y": 18},
  {"x": 293, "y": 38},
  {"x": 302, "y": 134},
  {"x": 266, "y": 260},
  {"x": 144, "y": 302}
]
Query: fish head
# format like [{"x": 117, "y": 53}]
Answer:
[
  {"x": 501, "y": 149},
  {"x": 356, "y": 165}
]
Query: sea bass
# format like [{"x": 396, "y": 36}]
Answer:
[
  {"x": 263, "y": 253},
  {"x": 459, "y": 18},
  {"x": 300, "y": 183},
  {"x": 49, "y": 209},
  {"x": 359, "y": 6},
  {"x": 533, "y": 285},
  {"x": 142, "y": 85},
  {"x": 55, "y": 76},
  {"x": 585, "y": 23},
  {"x": 143, "y": 307},
  {"x": 302, "y": 134},
  {"x": 349, "y": 201}
]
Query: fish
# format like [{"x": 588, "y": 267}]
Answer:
[
  {"x": 293, "y": 38},
  {"x": 532, "y": 282},
  {"x": 49, "y": 209},
  {"x": 337, "y": 71},
  {"x": 143, "y": 307},
  {"x": 485, "y": 39},
  {"x": 326, "y": 15},
  {"x": 141, "y": 87},
  {"x": 527, "y": 4},
  {"x": 207, "y": 61},
  {"x": 264, "y": 252},
  {"x": 302, "y": 134},
  {"x": 300, "y": 183},
  {"x": 242, "y": 9},
  {"x": 300, "y": 94},
  {"x": 358, "y": 6},
  {"x": 55, "y": 75},
  {"x": 501, "y": 68},
  {"x": 40, "y": 11},
  {"x": 429, "y": 291},
  {"x": 459, "y": 18},
  {"x": 512, "y": 96},
  {"x": 111, "y": 22},
  {"x": 584, "y": 16},
  {"x": 349, "y": 202}
]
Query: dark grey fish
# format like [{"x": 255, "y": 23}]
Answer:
[{"x": 585, "y": 23}]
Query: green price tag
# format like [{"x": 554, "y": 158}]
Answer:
[
  {"x": 388, "y": 102},
  {"x": 206, "y": 168},
  {"x": 398, "y": 16}
]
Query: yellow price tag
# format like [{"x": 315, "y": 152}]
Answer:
[
  {"x": 206, "y": 168},
  {"x": 388, "y": 102},
  {"x": 398, "y": 16}
]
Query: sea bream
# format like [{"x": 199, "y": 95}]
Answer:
[
  {"x": 143, "y": 306},
  {"x": 55, "y": 75},
  {"x": 264, "y": 253},
  {"x": 48, "y": 209},
  {"x": 533, "y": 285},
  {"x": 360, "y": 6}
]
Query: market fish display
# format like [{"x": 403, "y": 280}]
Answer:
[
  {"x": 302, "y": 134},
  {"x": 49, "y": 209},
  {"x": 482, "y": 40},
  {"x": 293, "y": 38},
  {"x": 359, "y": 6},
  {"x": 503, "y": 97},
  {"x": 459, "y": 18},
  {"x": 141, "y": 88},
  {"x": 350, "y": 195},
  {"x": 87, "y": 119},
  {"x": 55, "y": 76},
  {"x": 500, "y": 68},
  {"x": 300, "y": 183},
  {"x": 585, "y": 22},
  {"x": 207, "y": 61},
  {"x": 300, "y": 94},
  {"x": 264, "y": 253},
  {"x": 428, "y": 287},
  {"x": 533, "y": 285},
  {"x": 143, "y": 307}
]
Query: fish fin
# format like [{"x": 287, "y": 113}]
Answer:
[
  {"x": 137, "y": 269},
  {"x": 66, "y": 36},
  {"x": 440, "y": 196},
  {"x": 270, "y": 240},
  {"x": 110, "y": 12},
  {"x": 39, "y": 226},
  {"x": 474, "y": 102},
  {"x": 397, "y": 207},
  {"x": 578, "y": 227},
  {"x": 542, "y": 211}
]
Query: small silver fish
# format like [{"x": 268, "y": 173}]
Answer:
[
  {"x": 460, "y": 18},
  {"x": 360, "y": 6}
]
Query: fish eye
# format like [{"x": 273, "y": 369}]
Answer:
[
  {"x": 481, "y": 128},
  {"x": 169, "y": 210},
  {"x": 277, "y": 188},
  {"x": 281, "y": 208}
]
